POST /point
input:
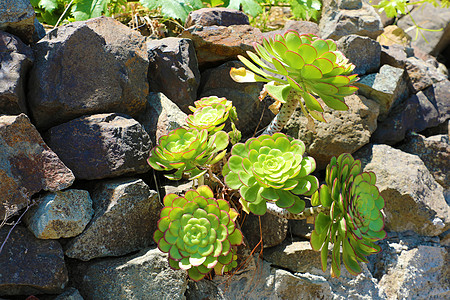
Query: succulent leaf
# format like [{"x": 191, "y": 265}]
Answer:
[
  {"x": 199, "y": 235},
  {"x": 354, "y": 221},
  {"x": 271, "y": 168}
]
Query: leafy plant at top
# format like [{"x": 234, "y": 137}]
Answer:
[
  {"x": 198, "y": 231},
  {"x": 306, "y": 9},
  {"x": 354, "y": 221},
  {"x": 312, "y": 67},
  {"x": 187, "y": 151},
  {"x": 271, "y": 168}
]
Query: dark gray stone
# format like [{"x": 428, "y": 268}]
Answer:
[
  {"x": 394, "y": 55},
  {"x": 88, "y": 67},
  {"x": 363, "y": 52},
  {"x": 27, "y": 165},
  {"x": 422, "y": 74},
  {"x": 219, "y": 16},
  {"x": 17, "y": 17},
  {"x": 273, "y": 230},
  {"x": 101, "y": 146},
  {"x": 173, "y": 70},
  {"x": 126, "y": 213},
  {"x": 29, "y": 265},
  {"x": 16, "y": 59},
  {"x": 253, "y": 114}
]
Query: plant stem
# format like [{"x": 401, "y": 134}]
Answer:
[
  {"x": 284, "y": 115},
  {"x": 283, "y": 213}
]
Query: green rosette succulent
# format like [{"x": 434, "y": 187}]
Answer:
[
  {"x": 198, "y": 232},
  {"x": 311, "y": 66},
  {"x": 187, "y": 151},
  {"x": 209, "y": 101},
  {"x": 354, "y": 221},
  {"x": 271, "y": 168},
  {"x": 211, "y": 118}
]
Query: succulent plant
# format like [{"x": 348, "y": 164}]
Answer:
[
  {"x": 198, "y": 232},
  {"x": 209, "y": 101},
  {"x": 187, "y": 150},
  {"x": 211, "y": 118},
  {"x": 354, "y": 221},
  {"x": 271, "y": 168}
]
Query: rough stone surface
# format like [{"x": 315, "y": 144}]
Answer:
[
  {"x": 296, "y": 255},
  {"x": 434, "y": 151},
  {"x": 205, "y": 289},
  {"x": 145, "y": 275},
  {"x": 299, "y": 26},
  {"x": 301, "y": 286},
  {"x": 336, "y": 23},
  {"x": 426, "y": 109},
  {"x": 219, "y": 16},
  {"x": 61, "y": 214},
  {"x": 17, "y": 17},
  {"x": 363, "y": 52},
  {"x": 161, "y": 116},
  {"x": 344, "y": 131},
  {"x": 413, "y": 199},
  {"x": 27, "y": 165},
  {"x": 70, "y": 294},
  {"x": 430, "y": 17},
  {"x": 88, "y": 67},
  {"x": 273, "y": 230},
  {"x": 128, "y": 206},
  {"x": 16, "y": 59},
  {"x": 253, "y": 114},
  {"x": 173, "y": 70},
  {"x": 217, "y": 44},
  {"x": 418, "y": 273},
  {"x": 422, "y": 74},
  {"x": 394, "y": 35},
  {"x": 29, "y": 265},
  {"x": 394, "y": 55},
  {"x": 388, "y": 87},
  {"x": 100, "y": 146}
]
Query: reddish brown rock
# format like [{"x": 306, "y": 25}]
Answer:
[
  {"x": 29, "y": 265},
  {"x": 27, "y": 166},
  {"x": 217, "y": 44}
]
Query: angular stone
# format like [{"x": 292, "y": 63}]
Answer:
[
  {"x": 173, "y": 70},
  {"x": 253, "y": 114},
  {"x": 88, "y": 67},
  {"x": 336, "y": 23},
  {"x": 16, "y": 59},
  {"x": 363, "y": 52},
  {"x": 296, "y": 256},
  {"x": 394, "y": 35},
  {"x": 17, "y": 17},
  {"x": 219, "y": 16},
  {"x": 432, "y": 18},
  {"x": 422, "y": 74},
  {"x": 161, "y": 116},
  {"x": 388, "y": 87},
  {"x": 434, "y": 151},
  {"x": 27, "y": 166},
  {"x": 29, "y": 265},
  {"x": 301, "y": 286},
  {"x": 394, "y": 55},
  {"x": 299, "y": 26},
  {"x": 128, "y": 206},
  {"x": 419, "y": 273},
  {"x": 344, "y": 131},
  {"x": 70, "y": 294},
  {"x": 271, "y": 228},
  {"x": 413, "y": 199},
  {"x": 61, "y": 214},
  {"x": 101, "y": 146},
  {"x": 426, "y": 109},
  {"x": 216, "y": 44},
  {"x": 145, "y": 275}
]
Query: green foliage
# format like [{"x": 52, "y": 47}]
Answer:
[
  {"x": 271, "y": 168},
  {"x": 354, "y": 221},
  {"x": 198, "y": 231},
  {"x": 306, "y": 9},
  {"x": 393, "y": 8},
  {"x": 313, "y": 67},
  {"x": 187, "y": 151},
  {"x": 87, "y": 9}
]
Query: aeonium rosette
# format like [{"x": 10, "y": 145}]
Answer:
[
  {"x": 354, "y": 221},
  {"x": 271, "y": 168},
  {"x": 211, "y": 118},
  {"x": 311, "y": 66},
  {"x": 187, "y": 151},
  {"x": 199, "y": 232},
  {"x": 210, "y": 100}
]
